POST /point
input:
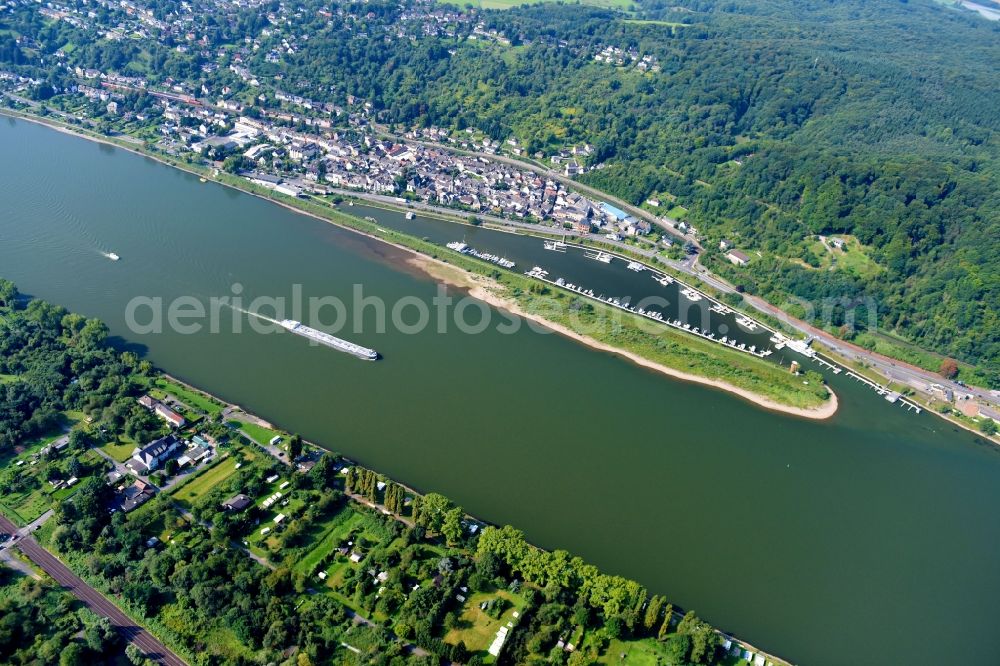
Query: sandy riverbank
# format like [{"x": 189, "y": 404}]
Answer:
[
  {"x": 484, "y": 290},
  {"x": 481, "y": 289}
]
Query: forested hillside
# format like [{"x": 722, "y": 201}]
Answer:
[
  {"x": 764, "y": 122},
  {"x": 875, "y": 119}
]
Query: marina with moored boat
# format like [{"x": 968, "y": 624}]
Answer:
[
  {"x": 654, "y": 315},
  {"x": 691, "y": 294},
  {"x": 462, "y": 247},
  {"x": 598, "y": 255},
  {"x": 664, "y": 279}
]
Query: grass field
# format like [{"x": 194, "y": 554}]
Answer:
[
  {"x": 677, "y": 212},
  {"x": 203, "y": 482},
  {"x": 190, "y": 398},
  {"x": 853, "y": 259},
  {"x": 336, "y": 529},
  {"x": 259, "y": 434},
  {"x": 668, "y": 24},
  {"x": 24, "y": 507},
  {"x": 7, "y": 379},
  {"x": 120, "y": 451},
  {"x": 639, "y": 653},
  {"x": 477, "y": 629}
]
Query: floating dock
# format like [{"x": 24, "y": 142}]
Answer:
[
  {"x": 890, "y": 395},
  {"x": 598, "y": 255},
  {"x": 462, "y": 247},
  {"x": 329, "y": 340},
  {"x": 540, "y": 274}
]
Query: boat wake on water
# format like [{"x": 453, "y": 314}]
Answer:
[{"x": 271, "y": 320}]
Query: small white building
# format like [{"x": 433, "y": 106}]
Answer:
[{"x": 737, "y": 258}]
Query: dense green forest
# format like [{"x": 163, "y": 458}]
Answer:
[
  {"x": 41, "y": 624},
  {"x": 768, "y": 122},
  {"x": 53, "y": 363}
]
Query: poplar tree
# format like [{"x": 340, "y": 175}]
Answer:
[
  {"x": 665, "y": 627},
  {"x": 653, "y": 610},
  {"x": 294, "y": 447},
  {"x": 415, "y": 507}
]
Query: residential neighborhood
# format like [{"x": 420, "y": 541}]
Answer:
[{"x": 296, "y": 146}]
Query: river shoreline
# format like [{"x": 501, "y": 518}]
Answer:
[
  {"x": 481, "y": 289},
  {"x": 586, "y": 425},
  {"x": 231, "y": 409},
  {"x": 478, "y": 288}
]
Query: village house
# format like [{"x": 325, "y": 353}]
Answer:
[
  {"x": 198, "y": 449},
  {"x": 55, "y": 447},
  {"x": 237, "y": 503},
  {"x": 149, "y": 458},
  {"x": 134, "y": 496},
  {"x": 737, "y": 258},
  {"x": 168, "y": 415}
]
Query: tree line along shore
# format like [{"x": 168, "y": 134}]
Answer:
[{"x": 246, "y": 545}]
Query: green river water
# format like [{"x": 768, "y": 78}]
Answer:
[{"x": 866, "y": 539}]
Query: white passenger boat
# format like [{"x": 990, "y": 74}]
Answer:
[{"x": 691, "y": 295}]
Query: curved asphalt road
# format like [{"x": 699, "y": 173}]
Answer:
[{"x": 94, "y": 600}]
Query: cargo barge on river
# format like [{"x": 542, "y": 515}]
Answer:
[{"x": 330, "y": 340}]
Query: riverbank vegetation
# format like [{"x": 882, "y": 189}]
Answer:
[
  {"x": 42, "y": 624},
  {"x": 671, "y": 348},
  {"x": 347, "y": 564}
]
